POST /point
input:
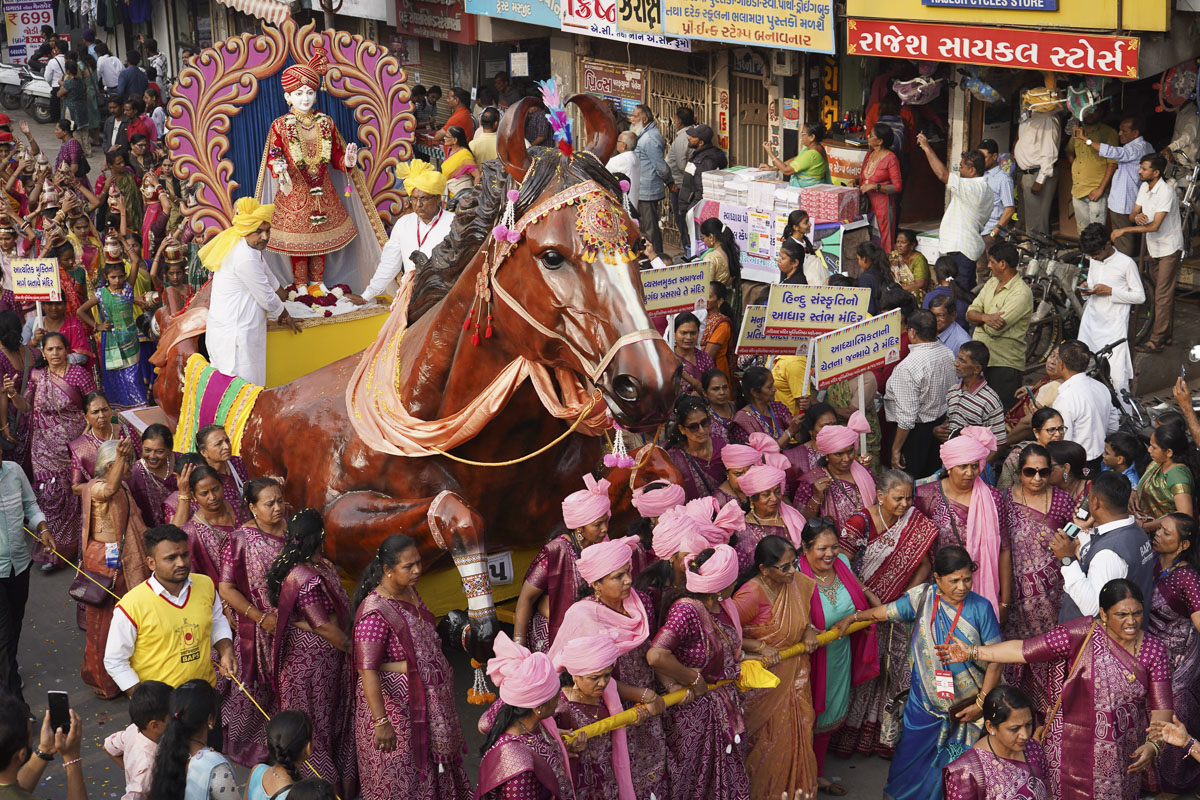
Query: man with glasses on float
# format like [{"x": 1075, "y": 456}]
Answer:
[{"x": 419, "y": 232}]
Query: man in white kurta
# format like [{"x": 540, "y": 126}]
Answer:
[
  {"x": 244, "y": 295},
  {"x": 418, "y": 232},
  {"x": 1114, "y": 287}
]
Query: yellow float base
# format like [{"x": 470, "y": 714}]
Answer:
[{"x": 321, "y": 342}]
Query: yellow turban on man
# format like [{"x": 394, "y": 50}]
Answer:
[
  {"x": 424, "y": 177},
  {"x": 248, "y": 215}
]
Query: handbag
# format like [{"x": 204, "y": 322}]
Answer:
[{"x": 95, "y": 588}]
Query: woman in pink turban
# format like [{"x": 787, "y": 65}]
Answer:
[
  {"x": 553, "y": 581},
  {"x": 966, "y": 512},
  {"x": 769, "y": 514},
  {"x": 815, "y": 417},
  {"x": 676, "y": 536},
  {"x": 406, "y": 728},
  {"x": 774, "y": 608},
  {"x": 600, "y": 766},
  {"x": 523, "y": 754},
  {"x": 842, "y": 483},
  {"x": 737, "y": 458},
  {"x": 700, "y": 643},
  {"x": 693, "y": 449},
  {"x": 651, "y": 501},
  {"x": 627, "y": 618}
]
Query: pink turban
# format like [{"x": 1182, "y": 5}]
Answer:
[
  {"x": 605, "y": 558},
  {"x": 761, "y": 449},
  {"x": 718, "y": 573},
  {"x": 760, "y": 478},
  {"x": 973, "y": 445},
  {"x": 717, "y": 524},
  {"x": 525, "y": 679},
  {"x": 674, "y": 533},
  {"x": 588, "y": 655},
  {"x": 587, "y": 505},
  {"x": 651, "y": 504},
  {"x": 835, "y": 438}
]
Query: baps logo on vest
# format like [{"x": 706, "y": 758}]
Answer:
[{"x": 188, "y": 636}]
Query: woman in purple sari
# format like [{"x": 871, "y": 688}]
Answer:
[
  {"x": 212, "y": 442},
  {"x": 693, "y": 360},
  {"x": 55, "y": 396},
  {"x": 1031, "y": 510},
  {"x": 553, "y": 581},
  {"x": 700, "y": 643},
  {"x": 101, "y": 427},
  {"x": 406, "y": 729},
  {"x": 211, "y": 524},
  {"x": 762, "y": 412},
  {"x": 245, "y": 562},
  {"x": 309, "y": 656},
  {"x": 1111, "y": 681},
  {"x": 693, "y": 449},
  {"x": 841, "y": 484},
  {"x": 1175, "y": 619},
  {"x": 769, "y": 514},
  {"x": 523, "y": 754},
  {"x": 153, "y": 477},
  {"x": 16, "y": 364},
  {"x": 1006, "y": 763}
]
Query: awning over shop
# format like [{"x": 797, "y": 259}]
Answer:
[{"x": 271, "y": 11}]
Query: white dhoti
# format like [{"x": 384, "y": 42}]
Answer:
[
  {"x": 243, "y": 299},
  {"x": 1106, "y": 318}
]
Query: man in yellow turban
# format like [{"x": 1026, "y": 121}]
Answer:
[
  {"x": 419, "y": 232},
  {"x": 245, "y": 293}
]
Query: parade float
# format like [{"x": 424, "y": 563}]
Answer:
[{"x": 465, "y": 412}]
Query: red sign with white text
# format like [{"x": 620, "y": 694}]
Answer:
[
  {"x": 447, "y": 20},
  {"x": 1022, "y": 48}
]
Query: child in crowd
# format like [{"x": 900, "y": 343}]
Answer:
[
  {"x": 133, "y": 748},
  {"x": 124, "y": 377},
  {"x": 1122, "y": 452}
]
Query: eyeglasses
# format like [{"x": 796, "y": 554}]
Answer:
[
  {"x": 1030, "y": 472},
  {"x": 1058, "y": 429},
  {"x": 791, "y": 566},
  {"x": 429, "y": 198},
  {"x": 696, "y": 427}
]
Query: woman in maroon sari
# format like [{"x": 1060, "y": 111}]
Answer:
[
  {"x": 841, "y": 484},
  {"x": 212, "y": 523},
  {"x": 1006, "y": 763},
  {"x": 1175, "y": 619},
  {"x": 762, "y": 412},
  {"x": 55, "y": 397},
  {"x": 769, "y": 514},
  {"x": 888, "y": 546},
  {"x": 406, "y": 727},
  {"x": 737, "y": 459},
  {"x": 552, "y": 582},
  {"x": 693, "y": 360},
  {"x": 700, "y": 643},
  {"x": 212, "y": 442},
  {"x": 245, "y": 561},
  {"x": 693, "y": 449},
  {"x": 523, "y": 755},
  {"x": 153, "y": 477},
  {"x": 1111, "y": 681},
  {"x": 1031, "y": 510},
  {"x": 627, "y": 619},
  {"x": 101, "y": 428},
  {"x": 309, "y": 655}
]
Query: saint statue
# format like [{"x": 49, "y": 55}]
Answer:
[{"x": 303, "y": 149}]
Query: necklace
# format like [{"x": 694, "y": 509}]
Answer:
[
  {"x": 828, "y": 587},
  {"x": 774, "y": 522},
  {"x": 112, "y": 434}
]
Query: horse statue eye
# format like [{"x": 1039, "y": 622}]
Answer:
[{"x": 552, "y": 259}]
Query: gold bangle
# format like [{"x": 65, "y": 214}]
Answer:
[{"x": 979, "y": 701}]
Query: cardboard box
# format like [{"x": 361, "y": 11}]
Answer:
[{"x": 828, "y": 203}]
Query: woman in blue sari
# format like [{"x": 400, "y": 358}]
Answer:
[{"x": 933, "y": 736}]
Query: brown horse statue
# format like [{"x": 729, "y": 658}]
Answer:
[{"x": 569, "y": 312}]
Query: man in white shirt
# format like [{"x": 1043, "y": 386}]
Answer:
[
  {"x": 56, "y": 68},
  {"x": 960, "y": 235},
  {"x": 1115, "y": 548},
  {"x": 1084, "y": 403},
  {"x": 1113, "y": 287},
  {"x": 245, "y": 294},
  {"x": 1039, "y": 135},
  {"x": 1156, "y": 214},
  {"x": 1003, "y": 205},
  {"x": 167, "y": 557},
  {"x": 419, "y": 232},
  {"x": 108, "y": 68},
  {"x": 627, "y": 162},
  {"x": 1122, "y": 193},
  {"x": 916, "y": 398}
]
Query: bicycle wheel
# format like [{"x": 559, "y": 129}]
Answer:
[{"x": 1045, "y": 332}]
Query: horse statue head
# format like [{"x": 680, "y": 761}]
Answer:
[{"x": 557, "y": 277}]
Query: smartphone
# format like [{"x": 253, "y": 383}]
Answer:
[
  {"x": 1183, "y": 372},
  {"x": 60, "y": 711},
  {"x": 1072, "y": 530},
  {"x": 1084, "y": 510}
]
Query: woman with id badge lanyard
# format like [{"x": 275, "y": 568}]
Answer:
[{"x": 941, "y": 717}]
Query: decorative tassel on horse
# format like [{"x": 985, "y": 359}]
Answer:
[
  {"x": 626, "y": 203},
  {"x": 479, "y": 694},
  {"x": 619, "y": 457}
]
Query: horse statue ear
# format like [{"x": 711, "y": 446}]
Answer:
[
  {"x": 510, "y": 138},
  {"x": 600, "y": 124}
]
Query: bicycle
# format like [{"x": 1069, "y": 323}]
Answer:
[
  {"x": 1053, "y": 270},
  {"x": 1134, "y": 416}
]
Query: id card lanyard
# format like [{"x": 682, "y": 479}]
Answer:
[{"x": 944, "y": 678}]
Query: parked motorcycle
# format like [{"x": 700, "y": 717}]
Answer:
[
  {"x": 35, "y": 97},
  {"x": 12, "y": 79}
]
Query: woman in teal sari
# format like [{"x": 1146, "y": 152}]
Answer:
[
  {"x": 123, "y": 376},
  {"x": 933, "y": 736},
  {"x": 810, "y": 167}
]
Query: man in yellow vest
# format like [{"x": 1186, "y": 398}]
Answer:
[{"x": 164, "y": 629}]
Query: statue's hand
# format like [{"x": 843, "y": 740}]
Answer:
[
  {"x": 285, "y": 182},
  {"x": 351, "y": 157}
]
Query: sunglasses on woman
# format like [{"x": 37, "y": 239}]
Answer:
[
  {"x": 1031, "y": 472},
  {"x": 790, "y": 566},
  {"x": 699, "y": 425}
]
